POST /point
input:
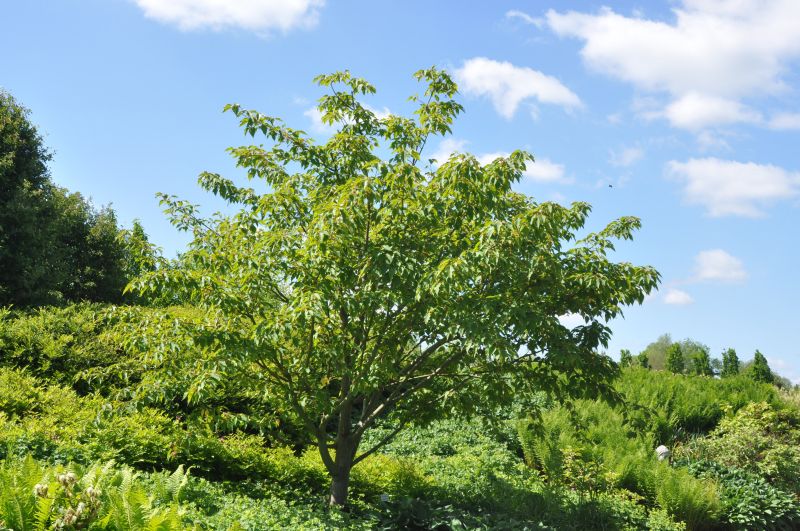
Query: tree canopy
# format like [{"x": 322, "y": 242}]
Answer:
[
  {"x": 366, "y": 283},
  {"x": 54, "y": 245}
]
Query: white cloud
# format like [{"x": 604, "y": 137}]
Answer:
[
  {"x": 317, "y": 125},
  {"x": 508, "y": 85},
  {"x": 626, "y": 157},
  {"x": 677, "y": 297},
  {"x": 542, "y": 170},
  {"x": 526, "y": 18},
  {"x": 253, "y": 15},
  {"x": 786, "y": 120},
  {"x": 697, "y": 111},
  {"x": 718, "y": 265},
  {"x": 715, "y": 51},
  {"x": 447, "y": 147},
  {"x": 707, "y": 141},
  {"x": 727, "y": 187}
]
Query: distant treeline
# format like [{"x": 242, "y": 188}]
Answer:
[
  {"x": 692, "y": 357},
  {"x": 55, "y": 246}
]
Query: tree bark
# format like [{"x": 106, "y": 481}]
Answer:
[{"x": 340, "y": 476}]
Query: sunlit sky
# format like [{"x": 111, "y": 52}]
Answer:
[{"x": 688, "y": 109}]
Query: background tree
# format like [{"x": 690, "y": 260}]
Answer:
[
  {"x": 359, "y": 288},
  {"x": 730, "y": 363},
  {"x": 24, "y": 189},
  {"x": 643, "y": 360},
  {"x": 674, "y": 363},
  {"x": 656, "y": 352},
  {"x": 54, "y": 245},
  {"x": 701, "y": 363},
  {"x": 759, "y": 369},
  {"x": 625, "y": 358}
]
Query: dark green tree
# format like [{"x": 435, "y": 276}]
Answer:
[
  {"x": 675, "y": 363},
  {"x": 54, "y": 245},
  {"x": 643, "y": 360},
  {"x": 730, "y": 363},
  {"x": 759, "y": 370},
  {"x": 701, "y": 363},
  {"x": 24, "y": 193}
]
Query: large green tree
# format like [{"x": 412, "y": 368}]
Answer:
[
  {"x": 24, "y": 189},
  {"x": 54, "y": 245},
  {"x": 366, "y": 284}
]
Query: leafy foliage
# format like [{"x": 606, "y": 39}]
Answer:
[{"x": 101, "y": 497}]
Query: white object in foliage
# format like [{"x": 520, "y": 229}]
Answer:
[{"x": 663, "y": 453}]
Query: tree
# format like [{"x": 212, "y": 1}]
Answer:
[
  {"x": 656, "y": 352},
  {"x": 54, "y": 245},
  {"x": 625, "y": 358},
  {"x": 759, "y": 370},
  {"x": 674, "y": 361},
  {"x": 701, "y": 363},
  {"x": 730, "y": 363},
  {"x": 643, "y": 360},
  {"x": 360, "y": 288},
  {"x": 24, "y": 189}
]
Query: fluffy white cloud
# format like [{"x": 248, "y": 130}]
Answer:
[
  {"x": 447, "y": 147},
  {"x": 786, "y": 120},
  {"x": 727, "y": 187},
  {"x": 718, "y": 265},
  {"x": 507, "y": 85},
  {"x": 697, "y": 111},
  {"x": 626, "y": 157},
  {"x": 542, "y": 170},
  {"x": 677, "y": 297},
  {"x": 714, "y": 52},
  {"x": 253, "y": 15}
]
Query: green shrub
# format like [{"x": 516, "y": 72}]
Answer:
[
  {"x": 748, "y": 501},
  {"x": 759, "y": 438},
  {"x": 58, "y": 343}
]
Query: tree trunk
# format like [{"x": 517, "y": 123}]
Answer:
[{"x": 340, "y": 477}]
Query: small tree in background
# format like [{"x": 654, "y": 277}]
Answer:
[
  {"x": 643, "y": 361},
  {"x": 730, "y": 363},
  {"x": 759, "y": 370},
  {"x": 674, "y": 362},
  {"x": 625, "y": 358},
  {"x": 701, "y": 363}
]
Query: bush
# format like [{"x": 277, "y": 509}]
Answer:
[
  {"x": 759, "y": 438},
  {"x": 748, "y": 501},
  {"x": 57, "y": 344}
]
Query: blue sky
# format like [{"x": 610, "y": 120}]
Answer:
[{"x": 689, "y": 108}]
